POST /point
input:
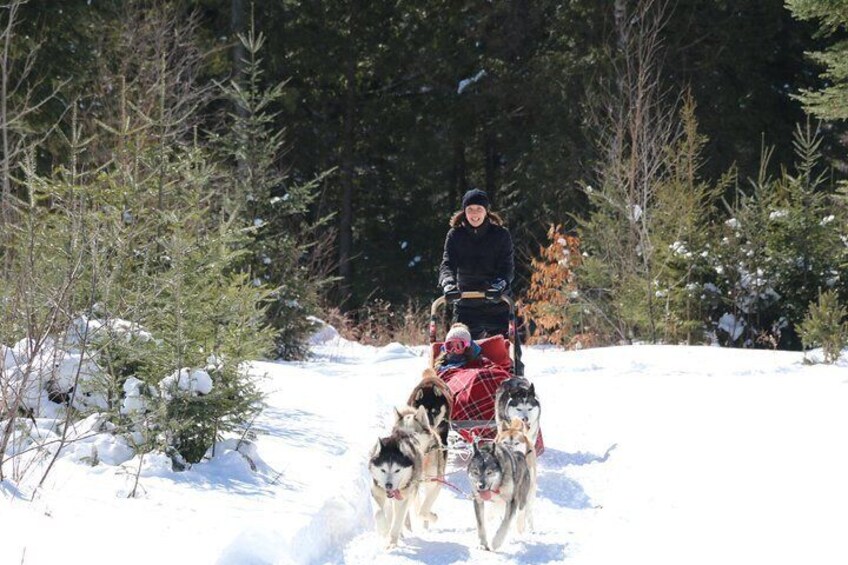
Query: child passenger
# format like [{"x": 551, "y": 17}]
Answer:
[{"x": 459, "y": 350}]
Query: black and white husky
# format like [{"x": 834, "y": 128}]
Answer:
[
  {"x": 516, "y": 398},
  {"x": 498, "y": 475},
  {"x": 415, "y": 421},
  {"x": 434, "y": 395},
  {"x": 395, "y": 466}
]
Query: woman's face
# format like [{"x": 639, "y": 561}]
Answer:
[{"x": 475, "y": 214}]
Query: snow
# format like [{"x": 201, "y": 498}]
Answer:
[
  {"x": 465, "y": 83},
  {"x": 655, "y": 454},
  {"x": 186, "y": 380},
  {"x": 732, "y": 325}
]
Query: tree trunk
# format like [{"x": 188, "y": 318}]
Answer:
[
  {"x": 5, "y": 204},
  {"x": 237, "y": 27},
  {"x": 346, "y": 217},
  {"x": 490, "y": 156},
  {"x": 459, "y": 181}
]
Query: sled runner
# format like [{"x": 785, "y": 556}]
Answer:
[{"x": 474, "y": 388}]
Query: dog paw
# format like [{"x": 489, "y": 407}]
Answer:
[{"x": 429, "y": 518}]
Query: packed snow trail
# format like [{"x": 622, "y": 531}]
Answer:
[{"x": 656, "y": 454}]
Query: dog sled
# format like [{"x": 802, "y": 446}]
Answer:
[{"x": 474, "y": 389}]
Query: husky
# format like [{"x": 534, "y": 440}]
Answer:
[
  {"x": 499, "y": 475},
  {"x": 433, "y": 394},
  {"x": 516, "y": 398},
  {"x": 416, "y": 422},
  {"x": 514, "y": 437},
  {"x": 395, "y": 466}
]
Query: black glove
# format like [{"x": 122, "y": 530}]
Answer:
[
  {"x": 452, "y": 293},
  {"x": 496, "y": 289}
]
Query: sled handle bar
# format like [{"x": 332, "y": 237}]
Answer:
[{"x": 473, "y": 295}]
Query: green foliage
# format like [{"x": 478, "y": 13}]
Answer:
[
  {"x": 172, "y": 271},
  {"x": 831, "y": 101},
  {"x": 783, "y": 244},
  {"x": 265, "y": 197},
  {"x": 682, "y": 238},
  {"x": 825, "y": 325}
]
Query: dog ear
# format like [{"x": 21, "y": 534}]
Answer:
[
  {"x": 532, "y": 389},
  {"x": 421, "y": 415},
  {"x": 419, "y": 394},
  {"x": 378, "y": 447},
  {"x": 437, "y": 391},
  {"x": 443, "y": 415},
  {"x": 398, "y": 415}
]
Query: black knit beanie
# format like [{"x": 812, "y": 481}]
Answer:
[{"x": 475, "y": 196}]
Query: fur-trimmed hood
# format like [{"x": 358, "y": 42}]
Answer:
[{"x": 458, "y": 219}]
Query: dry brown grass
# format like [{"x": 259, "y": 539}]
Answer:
[{"x": 380, "y": 322}]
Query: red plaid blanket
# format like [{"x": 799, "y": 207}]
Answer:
[
  {"x": 474, "y": 391},
  {"x": 474, "y": 400}
]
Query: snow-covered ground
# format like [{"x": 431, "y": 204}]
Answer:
[{"x": 654, "y": 454}]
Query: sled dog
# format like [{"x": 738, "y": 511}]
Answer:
[
  {"x": 415, "y": 422},
  {"x": 395, "y": 467},
  {"x": 434, "y": 395},
  {"x": 498, "y": 475},
  {"x": 514, "y": 437},
  {"x": 516, "y": 398}
]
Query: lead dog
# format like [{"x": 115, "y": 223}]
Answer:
[
  {"x": 416, "y": 422},
  {"x": 516, "y": 398},
  {"x": 514, "y": 437},
  {"x": 395, "y": 467},
  {"x": 498, "y": 475}
]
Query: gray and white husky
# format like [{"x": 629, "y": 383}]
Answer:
[
  {"x": 395, "y": 466},
  {"x": 514, "y": 437},
  {"x": 415, "y": 421},
  {"x": 498, "y": 475},
  {"x": 516, "y": 398}
]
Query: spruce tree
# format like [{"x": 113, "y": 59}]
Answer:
[
  {"x": 272, "y": 206},
  {"x": 831, "y": 101},
  {"x": 825, "y": 325}
]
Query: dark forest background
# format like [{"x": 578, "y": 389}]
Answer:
[
  {"x": 373, "y": 92},
  {"x": 188, "y": 185},
  {"x": 374, "y": 117}
]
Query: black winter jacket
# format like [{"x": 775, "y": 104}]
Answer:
[{"x": 476, "y": 257}]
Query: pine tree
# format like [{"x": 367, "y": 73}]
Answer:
[
  {"x": 825, "y": 325},
  {"x": 783, "y": 244},
  {"x": 273, "y": 206},
  {"x": 831, "y": 101}
]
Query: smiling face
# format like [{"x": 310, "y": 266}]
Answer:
[{"x": 475, "y": 214}]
